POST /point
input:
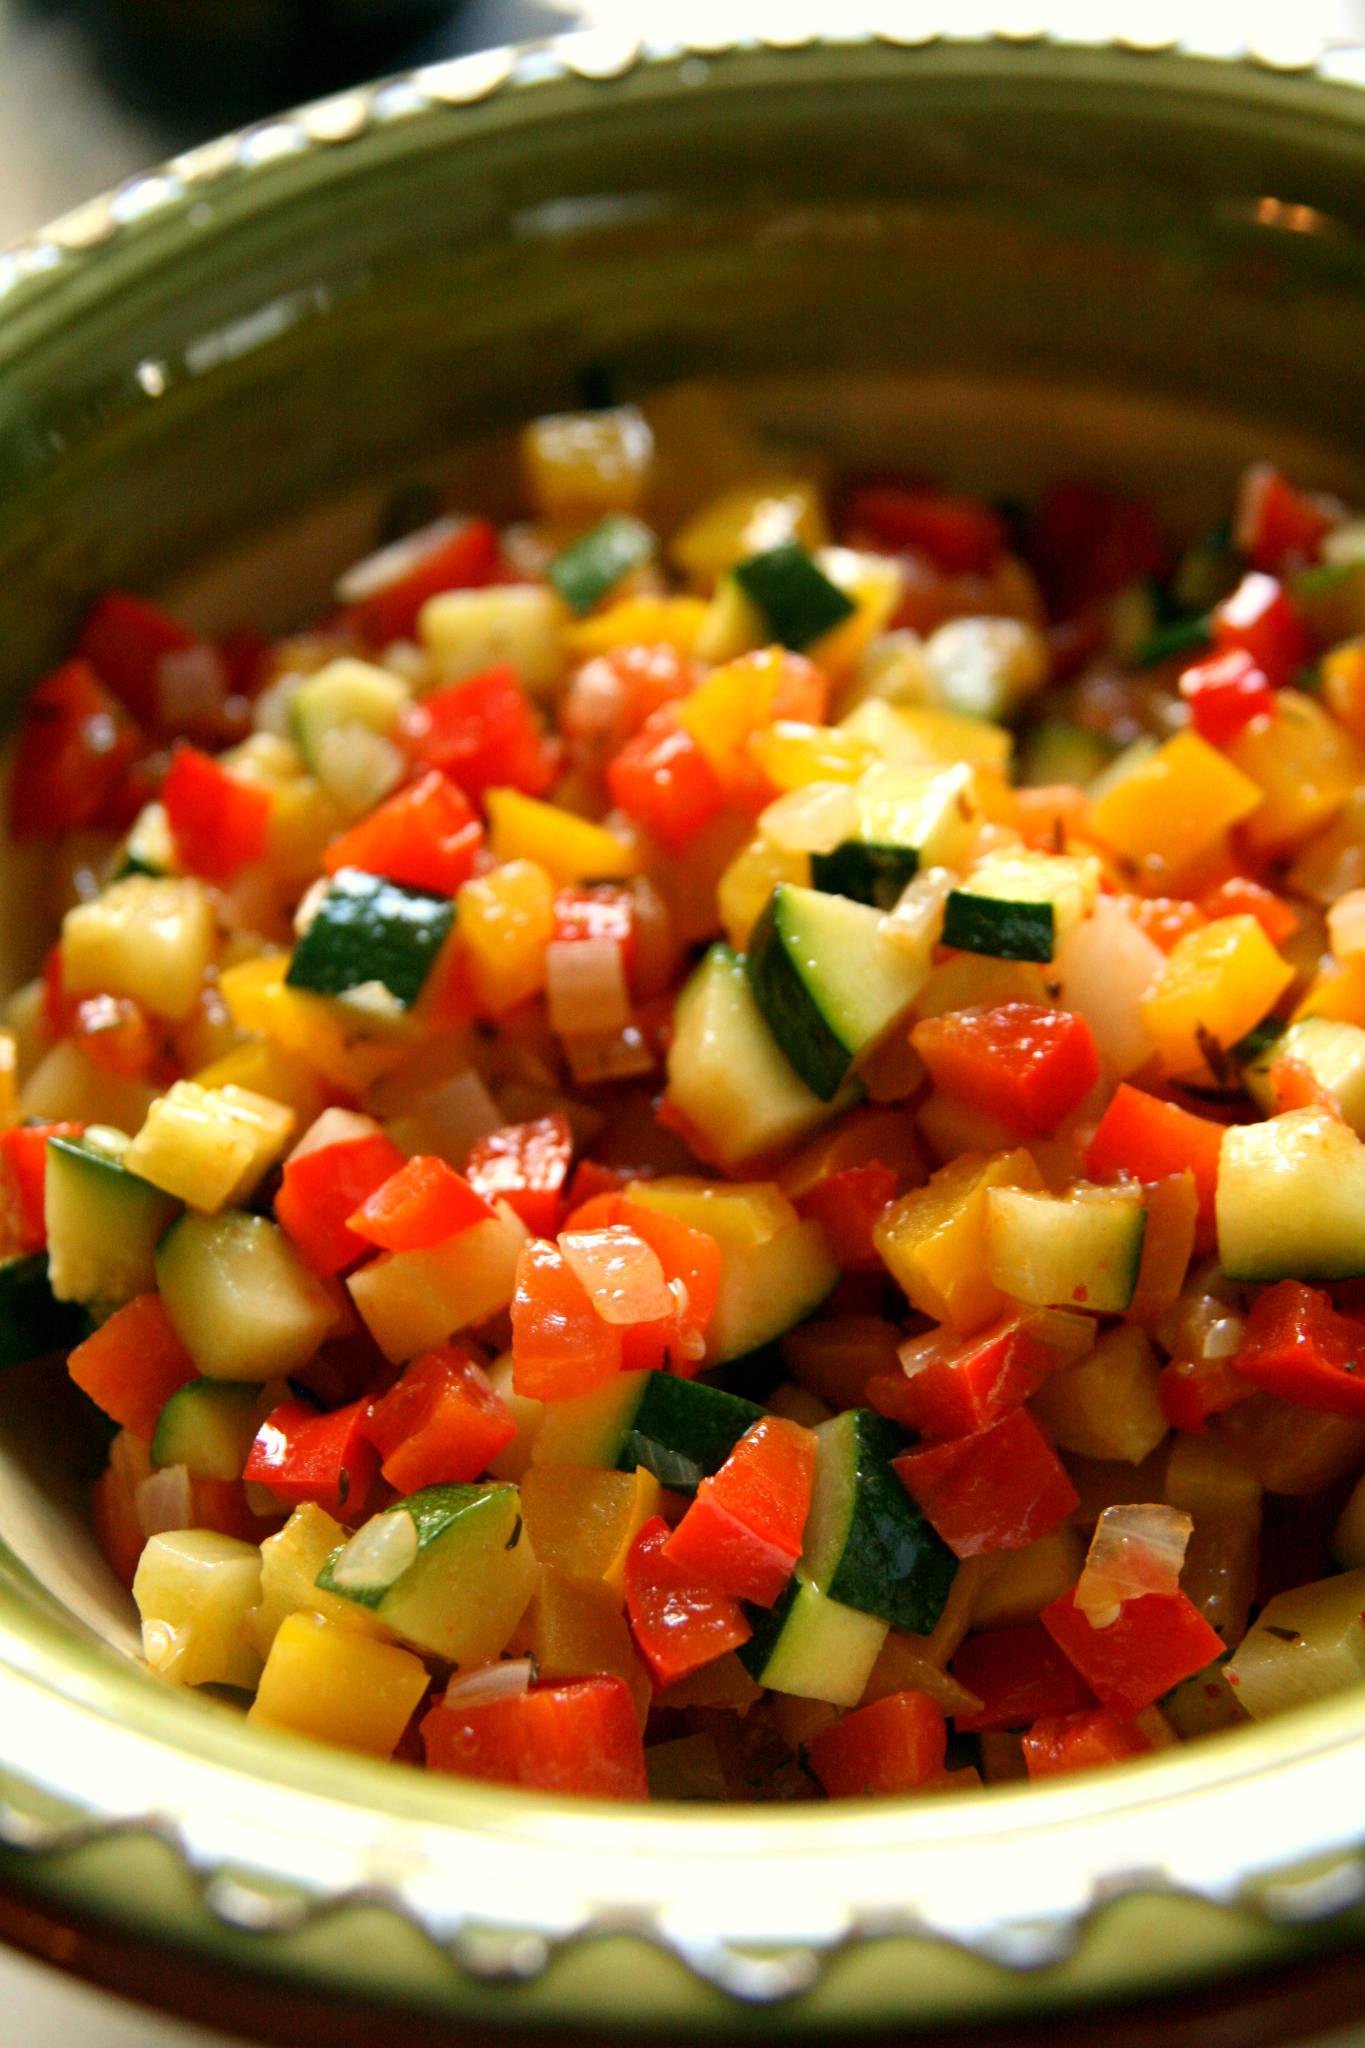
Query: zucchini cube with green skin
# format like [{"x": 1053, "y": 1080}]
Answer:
[
  {"x": 33, "y": 1323},
  {"x": 345, "y": 692},
  {"x": 590, "y": 568},
  {"x": 367, "y": 930},
  {"x": 680, "y": 1430},
  {"x": 194, "y": 1590},
  {"x": 209, "y": 1426},
  {"x": 240, "y": 1298},
  {"x": 909, "y": 818},
  {"x": 1291, "y": 1199},
  {"x": 812, "y": 1645},
  {"x": 1078, "y": 1250},
  {"x": 449, "y": 1570},
  {"x": 795, "y": 598},
  {"x": 828, "y": 981},
  {"x": 1333, "y": 1052},
  {"x": 412, "y": 1301},
  {"x": 151, "y": 937},
  {"x": 209, "y": 1146},
  {"x": 103, "y": 1222},
  {"x": 726, "y": 1073},
  {"x": 867, "y": 1544},
  {"x": 1020, "y": 905},
  {"x": 1304, "y": 1645}
]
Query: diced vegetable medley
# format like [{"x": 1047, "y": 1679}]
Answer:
[{"x": 717, "y": 1152}]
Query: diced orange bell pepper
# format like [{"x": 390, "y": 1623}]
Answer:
[
  {"x": 441, "y": 1421},
  {"x": 560, "y": 1345},
  {"x": 678, "y": 1621},
  {"x": 132, "y": 1364}
]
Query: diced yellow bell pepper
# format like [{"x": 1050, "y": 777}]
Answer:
[
  {"x": 740, "y": 1215},
  {"x": 749, "y": 881},
  {"x": 582, "y": 1520},
  {"x": 921, "y": 733},
  {"x": 1174, "y": 804},
  {"x": 339, "y": 1686},
  {"x": 733, "y": 702},
  {"x": 1216, "y": 984},
  {"x": 747, "y": 521},
  {"x": 265, "y": 1068},
  {"x": 638, "y": 622},
  {"x": 1305, "y": 766},
  {"x": 259, "y": 999},
  {"x": 723, "y": 1683},
  {"x": 580, "y": 465},
  {"x": 505, "y": 920},
  {"x": 570, "y": 849},
  {"x": 934, "y": 1238},
  {"x": 792, "y": 755},
  {"x": 874, "y": 583},
  {"x": 1333, "y": 860},
  {"x": 574, "y": 1628}
]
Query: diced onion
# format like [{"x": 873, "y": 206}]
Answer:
[
  {"x": 585, "y": 987},
  {"x": 489, "y": 1682},
  {"x": 1137, "y": 1548},
  {"x": 162, "y": 1502},
  {"x": 1105, "y": 968},
  {"x": 917, "y": 919},
  {"x": 389, "y": 565},
  {"x": 1346, "y": 924},
  {"x": 449, "y": 1119},
  {"x": 593, "y": 701},
  {"x": 812, "y": 819},
  {"x": 621, "y": 1273},
  {"x": 378, "y": 1554}
]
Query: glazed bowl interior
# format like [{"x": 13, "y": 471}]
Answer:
[{"x": 998, "y": 263}]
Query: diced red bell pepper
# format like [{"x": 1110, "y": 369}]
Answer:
[
  {"x": 742, "y": 1532},
  {"x": 895, "y": 1744},
  {"x": 620, "y": 689},
  {"x": 425, "y": 836},
  {"x": 302, "y": 1455},
  {"x": 441, "y": 1421},
  {"x": 1058, "y": 1743},
  {"x": 526, "y": 1166},
  {"x": 1275, "y": 525},
  {"x": 663, "y": 781},
  {"x": 482, "y": 733},
  {"x": 1239, "y": 896},
  {"x": 846, "y": 1205},
  {"x": 1296, "y": 1345},
  {"x": 23, "y": 1176},
  {"x": 678, "y": 1621},
  {"x": 691, "y": 1260},
  {"x": 132, "y": 1364},
  {"x": 1017, "y": 1674},
  {"x": 961, "y": 536},
  {"x": 422, "y": 1203},
  {"x": 76, "y": 744},
  {"x": 965, "y": 1384},
  {"x": 582, "y": 1738},
  {"x": 602, "y": 910},
  {"x": 560, "y": 1345},
  {"x": 319, "y": 1190},
  {"x": 1192, "y": 1389},
  {"x": 1087, "y": 543},
  {"x": 467, "y": 559},
  {"x": 124, "y": 638},
  {"x": 1225, "y": 693},
  {"x": 997, "y": 1490},
  {"x": 1026, "y": 1064},
  {"x": 218, "y": 824},
  {"x": 1150, "y": 1139},
  {"x": 1157, "y": 1640},
  {"x": 1260, "y": 618}
]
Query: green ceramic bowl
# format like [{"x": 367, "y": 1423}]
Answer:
[{"x": 992, "y": 258}]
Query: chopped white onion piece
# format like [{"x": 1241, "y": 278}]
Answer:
[
  {"x": 191, "y": 683},
  {"x": 1105, "y": 968},
  {"x": 1222, "y": 1337},
  {"x": 917, "y": 919},
  {"x": 593, "y": 701},
  {"x": 610, "y": 1056},
  {"x": 480, "y": 1687},
  {"x": 378, "y": 1554},
  {"x": 812, "y": 819},
  {"x": 1346, "y": 924},
  {"x": 1137, "y": 1548},
  {"x": 449, "y": 1119},
  {"x": 389, "y": 565},
  {"x": 585, "y": 987},
  {"x": 162, "y": 1502},
  {"x": 622, "y": 1275}
]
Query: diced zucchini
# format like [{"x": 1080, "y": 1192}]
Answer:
[
  {"x": 794, "y": 597},
  {"x": 867, "y": 1544},
  {"x": 240, "y": 1298},
  {"x": 916, "y": 733},
  {"x": 1018, "y": 905},
  {"x": 367, "y": 930},
  {"x": 465, "y": 631},
  {"x": 726, "y": 1072},
  {"x": 346, "y": 692},
  {"x": 986, "y": 667},
  {"x": 1291, "y": 1199},
  {"x": 412, "y": 1301},
  {"x": 1304, "y": 1645},
  {"x": 813, "y": 1646},
  {"x": 149, "y": 936},
  {"x": 209, "y": 1146},
  {"x": 1204, "y": 1703},
  {"x": 1333, "y": 1052},
  {"x": 194, "y": 1590},
  {"x": 1079, "y": 1250},
  {"x": 103, "y": 1224},
  {"x": 828, "y": 981},
  {"x": 908, "y": 818},
  {"x": 33, "y": 1323},
  {"x": 1107, "y": 1406},
  {"x": 590, "y": 568},
  {"x": 290, "y": 1563},
  {"x": 149, "y": 848},
  {"x": 678, "y": 1429},
  {"x": 449, "y": 1570},
  {"x": 209, "y": 1426}
]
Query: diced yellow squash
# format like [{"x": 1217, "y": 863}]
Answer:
[
  {"x": 1070, "y": 882},
  {"x": 1304, "y": 1645},
  {"x": 1305, "y": 767},
  {"x": 328, "y": 1681},
  {"x": 733, "y": 625},
  {"x": 148, "y": 936},
  {"x": 317, "y": 1030},
  {"x": 749, "y": 881},
  {"x": 792, "y": 755},
  {"x": 740, "y": 1215},
  {"x": 194, "y": 1590},
  {"x": 1174, "y": 804},
  {"x": 574, "y": 1628},
  {"x": 583, "y": 1521},
  {"x": 1107, "y": 1406},
  {"x": 264, "y": 1068},
  {"x": 579, "y": 465},
  {"x": 749, "y": 520},
  {"x": 933, "y": 1239},
  {"x": 66, "y": 1083},
  {"x": 514, "y": 1458},
  {"x": 290, "y": 1563},
  {"x": 1333, "y": 860},
  {"x": 303, "y": 818},
  {"x": 569, "y": 849},
  {"x": 921, "y": 733},
  {"x": 1216, "y": 984},
  {"x": 413, "y": 1301},
  {"x": 209, "y": 1146},
  {"x": 505, "y": 920},
  {"x": 638, "y": 622},
  {"x": 465, "y": 631}
]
